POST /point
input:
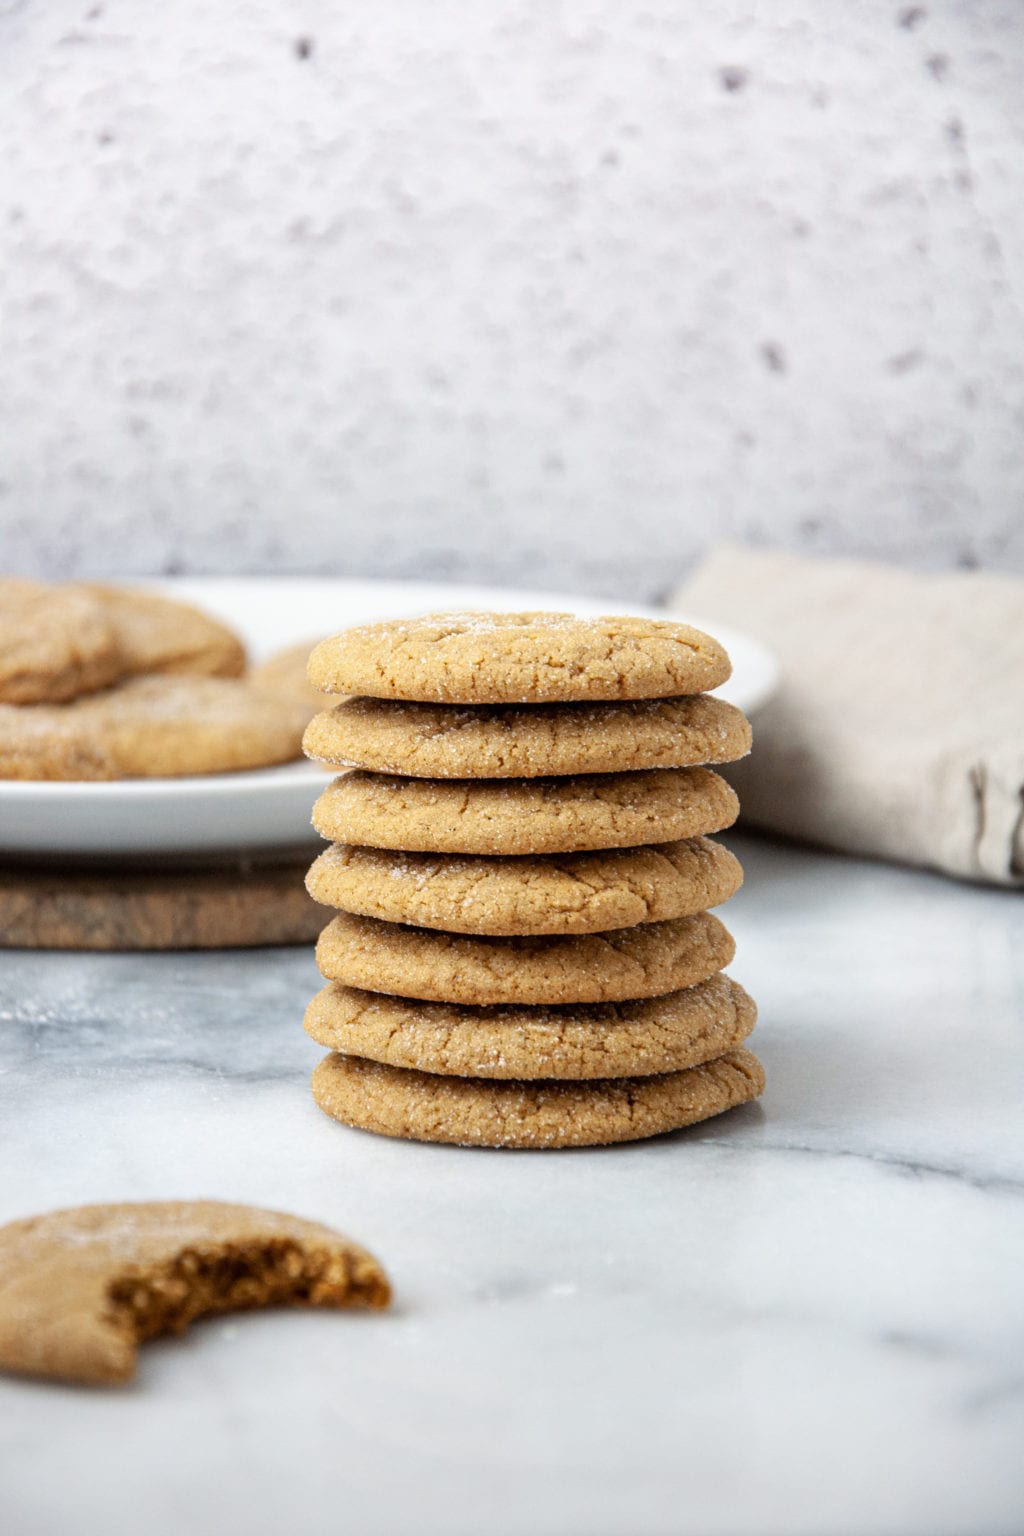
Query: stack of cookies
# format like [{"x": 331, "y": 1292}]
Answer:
[{"x": 520, "y": 858}]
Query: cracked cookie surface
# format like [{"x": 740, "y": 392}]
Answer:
[
  {"x": 517, "y": 816},
  {"x": 526, "y": 658},
  {"x": 437, "y": 741},
  {"x": 80, "y": 1289},
  {"x": 571, "y": 893},
  {"x": 645, "y": 961},
  {"x": 633, "y": 1039},
  {"x": 55, "y": 643},
  {"x": 423, "y": 1106}
]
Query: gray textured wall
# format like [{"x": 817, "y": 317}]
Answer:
[{"x": 538, "y": 292}]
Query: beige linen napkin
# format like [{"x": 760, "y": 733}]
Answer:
[{"x": 898, "y": 727}]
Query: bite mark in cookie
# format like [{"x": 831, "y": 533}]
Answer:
[{"x": 81, "y": 1289}]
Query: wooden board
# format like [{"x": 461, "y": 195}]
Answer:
[{"x": 239, "y": 906}]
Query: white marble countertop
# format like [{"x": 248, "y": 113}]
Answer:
[{"x": 807, "y": 1316}]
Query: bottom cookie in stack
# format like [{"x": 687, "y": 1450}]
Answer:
[{"x": 424, "y": 1106}]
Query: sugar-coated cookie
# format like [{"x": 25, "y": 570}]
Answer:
[
  {"x": 52, "y": 741},
  {"x": 586, "y": 968},
  {"x": 559, "y": 893},
  {"x": 518, "y": 658},
  {"x": 423, "y": 1106},
  {"x": 151, "y": 727},
  {"x": 516, "y": 816},
  {"x": 633, "y": 1039},
  {"x": 55, "y": 643},
  {"x": 81, "y": 1289},
  {"x": 439, "y": 741}
]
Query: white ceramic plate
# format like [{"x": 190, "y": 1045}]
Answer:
[{"x": 266, "y": 812}]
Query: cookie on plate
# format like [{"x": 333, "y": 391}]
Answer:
[
  {"x": 422, "y": 1106},
  {"x": 632, "y": 1039},
  {"x": 518, "y": 658},
  {"x": 55, "y": 643},
  {"x": 444, "y": 741},
  {"x": 151, "y": 727},
  {"x": 81, "y": 1289},
  {"x": 156, "y": 726},
  {"x": 156, "y": 633},
  {"x": 50, "y": 741},
  {"x": 566, "y": 893},
  {"x": 644, "y": 961},
  {"x": 516, "y": 816}
]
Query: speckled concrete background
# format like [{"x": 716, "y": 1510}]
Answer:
[{"x": 547, "y": 293}]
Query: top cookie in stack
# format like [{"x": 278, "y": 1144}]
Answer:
[{"x": 523, "y": 954}]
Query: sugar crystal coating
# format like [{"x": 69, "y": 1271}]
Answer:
[
  {"x": 523, "y": 954},
  {"x": 529, "y": 658}
]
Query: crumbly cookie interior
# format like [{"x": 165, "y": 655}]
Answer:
[{"x": 234, "y": 1277}]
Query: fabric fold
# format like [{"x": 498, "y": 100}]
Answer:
[{"x": 898, "y": 727}]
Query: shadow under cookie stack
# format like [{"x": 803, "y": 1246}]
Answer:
[{"x": 523, "y": 954}]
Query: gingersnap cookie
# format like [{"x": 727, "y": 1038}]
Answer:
[
  {"x": 518, "y": 658},
  {"x": 151, "y": 727},
  {"x": 179, "y": 725},
  {"x": 50, "y": 741},
  {"x": 631, "y": 1039},
  {"x": 515, "y": 816},
  {"x": 81, "y": 1289},
  {"x": 55, "y": 643},
  {"x": 567, "y": 893},
  {"x": 438, "y": 741},
  {"x": 160, "y": 634},
  {"x": 423, "y": 1106},
  {"x": 285, "y": 672},
  {"x": 581, "y": 968}
]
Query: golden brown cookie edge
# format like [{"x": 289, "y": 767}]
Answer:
[{"x": 391, "y": 1102}]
